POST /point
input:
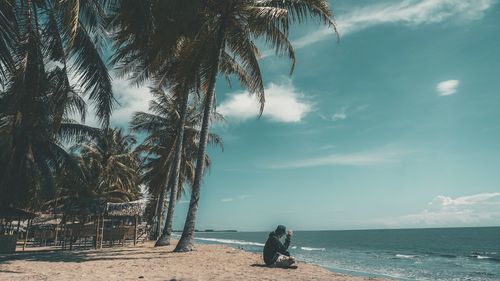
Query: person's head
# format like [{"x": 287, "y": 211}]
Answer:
[{"x": 280, "y": 230}]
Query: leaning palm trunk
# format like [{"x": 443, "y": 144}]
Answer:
[
  {"x": 160, "y": 208},
  {"x": 187, "y": 239},
  {"x": 160, "y": 205},
  {"x": 164, "y": 239},
  {"x": 154, "y": 230}
]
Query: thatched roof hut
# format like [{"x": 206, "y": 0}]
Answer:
[{"x": 129, "y": 209}]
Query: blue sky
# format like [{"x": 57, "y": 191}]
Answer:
[{"x": 397, "y": 125}]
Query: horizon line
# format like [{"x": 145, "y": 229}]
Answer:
[{"x": 358, "y": 229}]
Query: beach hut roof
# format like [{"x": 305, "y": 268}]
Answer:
[
  {"x": 47, "y": 219},
  {"x": 129, "y": 209},
  {"x": 11, "y": 213}
]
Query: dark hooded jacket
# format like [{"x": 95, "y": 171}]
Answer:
[{"x": 274, "y": 247}]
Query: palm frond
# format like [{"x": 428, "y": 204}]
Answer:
[
  {"x": 77, "y": 132},
  {"x": 93, "y": 75}
]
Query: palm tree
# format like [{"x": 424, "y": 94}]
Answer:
[
  {"x": 160, "y": 147},
  {"x": 138, "y": 26},
  {"x": 110, "y": 165},
  {"x": 231, "y": 26},
  {"x": 40, "y": 41},
  {"x": 162, "y": 48},
  {"x": 159, "y": 49},
  {"x": 66, "y": 34},
  {"x": 110, "y": 168}
]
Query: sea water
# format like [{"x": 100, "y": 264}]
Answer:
[{"x": 403, "y": 254}]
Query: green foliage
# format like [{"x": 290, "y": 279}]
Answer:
[
  {"x": 108, "y": 171},
  {"x": 39, "y": 51},
  {"x": 158, "y": 147}
]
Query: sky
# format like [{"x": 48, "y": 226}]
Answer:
[{"x": 396, "y": 125}]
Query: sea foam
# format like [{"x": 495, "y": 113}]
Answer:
[
  {"x": 401, "y": 256},
  {"x": 482, "y": 257},
  {"x": 248, "y": 243},
  {"x": 312, "y": 249},
  {"x": 231, "y": 241}
]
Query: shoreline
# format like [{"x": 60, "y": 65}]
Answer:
[
  {"x": 145, "y": 262},
  {"x": 366, "y": 275}
]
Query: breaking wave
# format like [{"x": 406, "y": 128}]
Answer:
[
  {"x": 312, "y": 249},
  {"x": 401, "y": 256},
  {"x": 231, "y": 241}
]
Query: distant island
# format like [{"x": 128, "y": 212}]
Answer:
[{"x": 211, "y": 230}]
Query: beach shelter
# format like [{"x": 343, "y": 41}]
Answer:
[
  {"x": 10, "y": 223},
  {"x": 119, "y": 211},
  {"x": 128, "y": 209}
]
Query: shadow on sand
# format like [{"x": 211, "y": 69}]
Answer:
[
  {"x": 54, "y": 255},
  {"x": 267, "y": 266}
]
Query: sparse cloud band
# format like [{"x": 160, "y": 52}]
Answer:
[
  {"x": 476, "y": 209},
  {"x": 369, "y": 158},
  {"x": 408, "y": 12}
]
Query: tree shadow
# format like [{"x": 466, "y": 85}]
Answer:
[
  {"x": 83, "y": 256},
  {"x": 9, "y": 271}
]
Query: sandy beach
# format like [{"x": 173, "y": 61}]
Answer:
[{"x": 144, "y": 262}]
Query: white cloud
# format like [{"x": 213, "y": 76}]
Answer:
[
  {"x": 408, "y": 12},
  {"x": 227, "y": 199},
  {"x": 477, "y": 209},
  {"x": 339, "y": 115},
  {"x": 284, "y": 103},
  {"x": 369, "y": 158},
  {"x": 448, "y": 87},
  {"x": 443, "y": 202},
  {"x": 130, "y": 99}
]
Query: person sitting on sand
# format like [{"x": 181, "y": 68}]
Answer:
[{"x": 276, "y": 253}]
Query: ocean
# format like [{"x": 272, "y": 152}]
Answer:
[{"x": 403, "y": 254}]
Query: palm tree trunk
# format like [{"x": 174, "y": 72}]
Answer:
[
  {"x": 174, "y": 177},
  {"x": 161, "y": 207},
  {"x": 158, "y": 212},
  {"x": 187, "y": 239},
  {"x": 154, "y": 230}
]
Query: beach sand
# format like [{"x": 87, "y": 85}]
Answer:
[{"x": 144, "y": 262}]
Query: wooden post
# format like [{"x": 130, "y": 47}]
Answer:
[
  {"x": 135, "y": 230},
  {"x": 26, "y": 236},
  {"x": 71, "y": 235},
  {"x": 65, "y": 234},
  {"x": 121, "y": 228},
  {"x": 56, "y": 234},
  {"x": 96, "y": 239},
  {"x": 111, "y": 233},
  {"x": 102, "y": 233}
]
